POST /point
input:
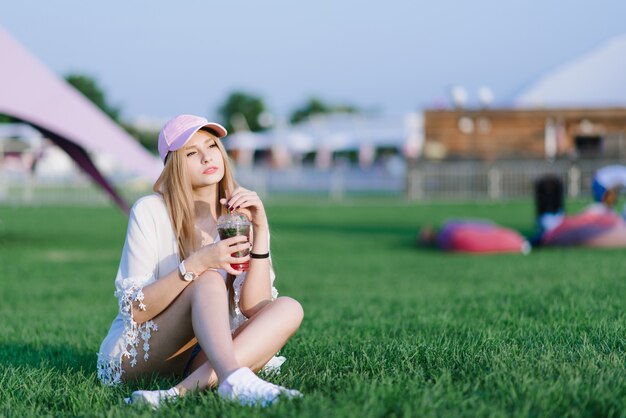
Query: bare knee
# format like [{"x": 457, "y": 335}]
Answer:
[
  {"x": 291, "y": 311},
  {"x": 209, "y": 281}
]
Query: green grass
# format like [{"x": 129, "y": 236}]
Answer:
[{"x": 389, "y": 329}]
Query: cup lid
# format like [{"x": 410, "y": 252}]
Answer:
[{"x": 232, "y": 218}]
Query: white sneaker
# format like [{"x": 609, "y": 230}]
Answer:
[
  {"x": 248, "y": 389},
  {"x": 153, "y": 398},
  {"x": 272, "y": 367}
]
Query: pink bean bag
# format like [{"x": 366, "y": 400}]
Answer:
[
  {"x": 590, "y": 229},
  {"x": 480, "y": 237}
]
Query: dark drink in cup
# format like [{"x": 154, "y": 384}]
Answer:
[{"x": 231, "y": 225}]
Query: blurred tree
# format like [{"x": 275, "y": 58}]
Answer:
[
  {"x": 6, "y": 118},
  {"x": 146, "y": 137},
  {"x": 314, "y": 106},
  {"x": 241, "y": 111},
  {"x": 89, "y": 87}
]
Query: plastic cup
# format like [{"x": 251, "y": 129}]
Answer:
[{"x": 233, "y": 224}]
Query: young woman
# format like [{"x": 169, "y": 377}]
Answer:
[{"x": 184, "y": 311}]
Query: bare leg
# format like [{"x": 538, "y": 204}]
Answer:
[
  {"x": 216, "y": 339},
  {"x": 201, "y": 310},
  {"x": 255, "y": 342}
]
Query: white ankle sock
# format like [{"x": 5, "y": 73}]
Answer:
[
  {"x": 172, "y": 392},
  {"x": 246, "y": 387},
  {"x": 153, "y": 397}
]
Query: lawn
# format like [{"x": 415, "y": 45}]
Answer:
[{"x": 390, "y": 329}]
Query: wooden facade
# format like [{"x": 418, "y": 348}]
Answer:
[{"x": 524, "y": 133}]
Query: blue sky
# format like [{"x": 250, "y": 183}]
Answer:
[{"x": 158, "y": 58}]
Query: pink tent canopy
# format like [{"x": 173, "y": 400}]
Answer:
[{"x": 35, "y": 95}]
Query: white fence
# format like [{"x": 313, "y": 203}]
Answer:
[
  {"x": 460, "y": 180},
  {"x": 497, "y": 180}
]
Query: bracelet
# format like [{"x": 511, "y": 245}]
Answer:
[{"x": 253, "y": 255}]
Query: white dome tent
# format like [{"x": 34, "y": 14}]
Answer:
[{"x": 594, "y": 79}]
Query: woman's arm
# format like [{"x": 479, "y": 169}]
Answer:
[
  {"x": 158, "y": 295},
  {"x": 256, "y": 290}
]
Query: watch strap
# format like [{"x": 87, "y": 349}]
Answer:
[{"x": 188, "y": 276}]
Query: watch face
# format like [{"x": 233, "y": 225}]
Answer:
[{"x": 188, "y": 276}]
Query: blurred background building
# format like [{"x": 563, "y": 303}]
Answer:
[{"x": 525, "y": 133}]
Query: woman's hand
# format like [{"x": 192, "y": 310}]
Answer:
[
  {"x": 248, "y": 203},
  {"x": 219, "y": 255}
]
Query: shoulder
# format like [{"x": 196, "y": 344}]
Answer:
[
  {"x": 149, "y": 203},
  {"x": 149, "y": 207}
]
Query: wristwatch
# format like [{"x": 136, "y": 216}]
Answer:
[{"x": 188, "y": 276}]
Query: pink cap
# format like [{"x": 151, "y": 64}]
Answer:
[{"x": 179, "y": 130}]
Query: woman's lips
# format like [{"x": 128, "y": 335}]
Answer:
[{"x": 210, "y": 170}]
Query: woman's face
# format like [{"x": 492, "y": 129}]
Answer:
[{"x": 204, "y": 161}]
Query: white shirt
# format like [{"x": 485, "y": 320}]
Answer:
[{"x": 150, "y": 252}]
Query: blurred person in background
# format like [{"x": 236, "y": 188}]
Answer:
[
  {"x": 184, "y": 311},
  {"x": 595, "y": 226},
  {"x": 607, "y": 183},
  {"x": 549, "y": 205}
]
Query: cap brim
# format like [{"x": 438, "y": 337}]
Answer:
[{"x": 217, "y": 129}]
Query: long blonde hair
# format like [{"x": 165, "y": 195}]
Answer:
[{"x": 174, "y": 185}]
